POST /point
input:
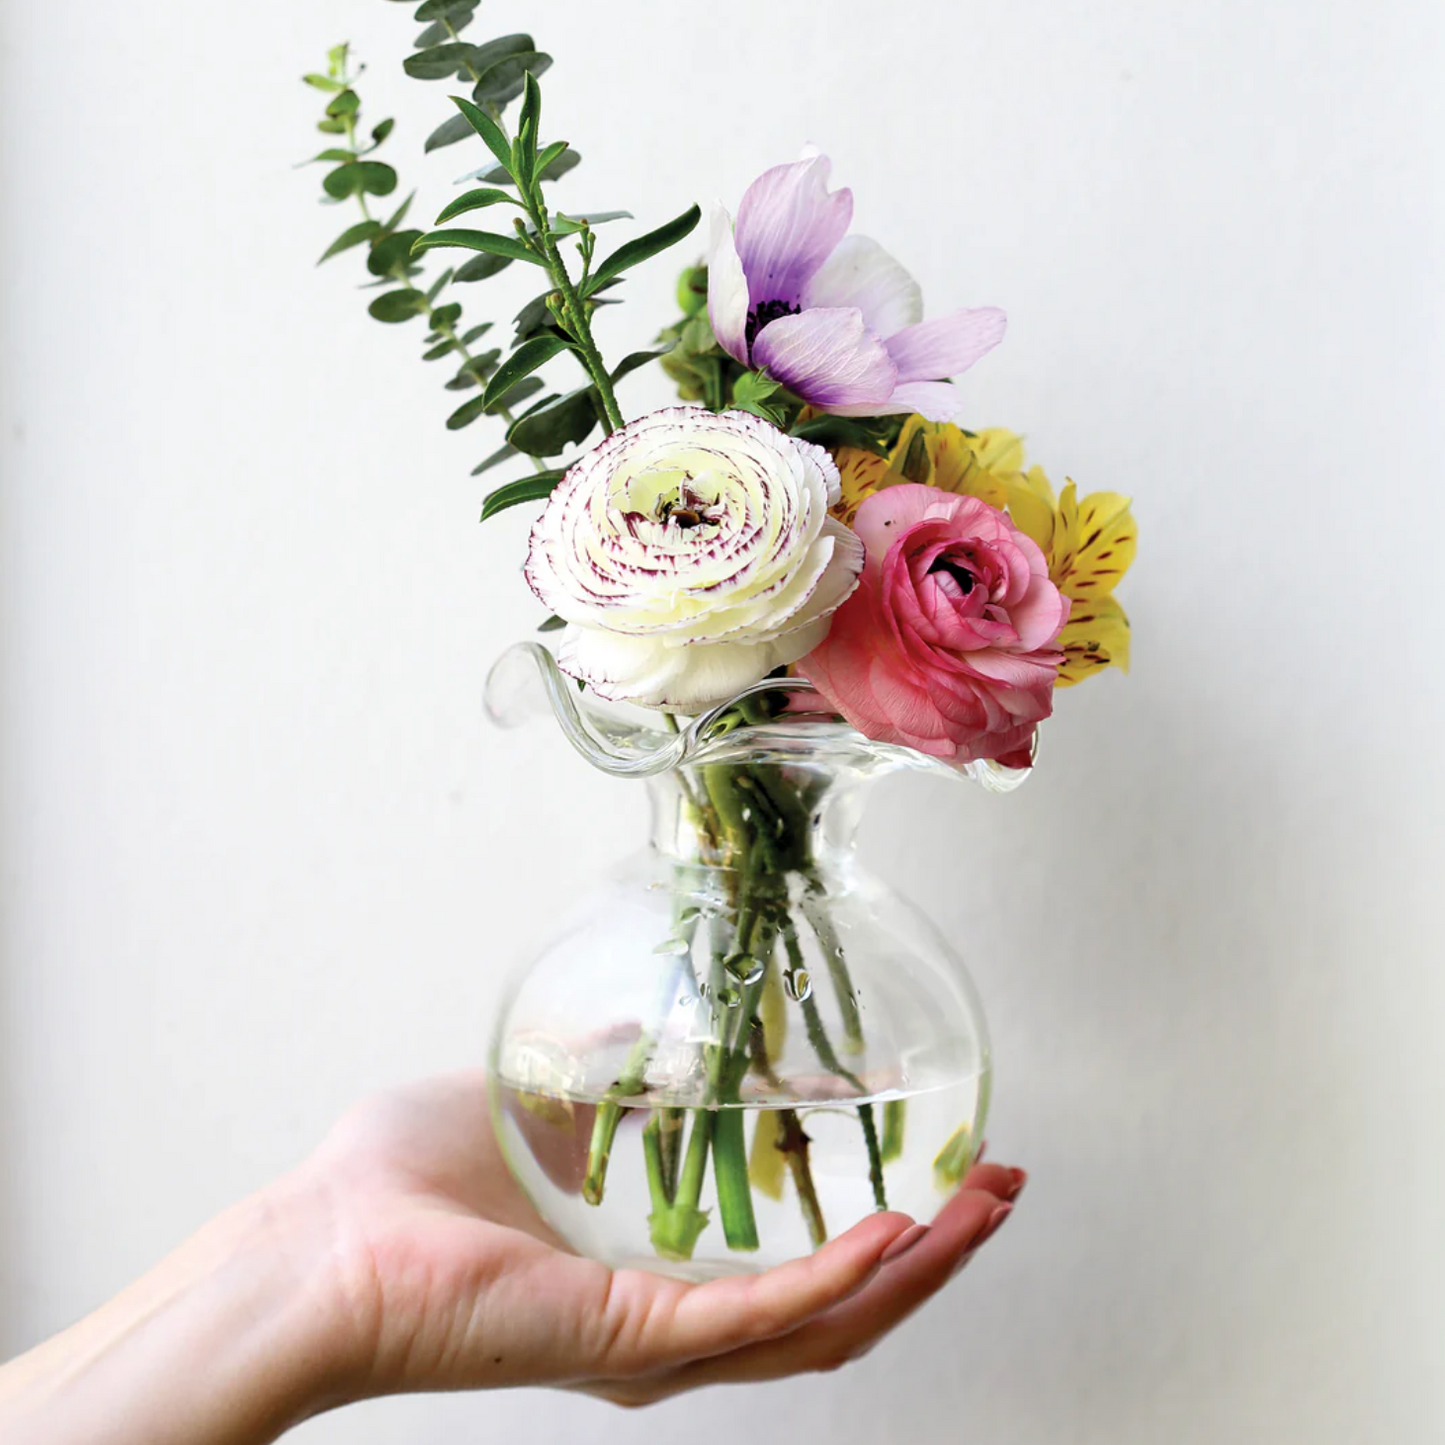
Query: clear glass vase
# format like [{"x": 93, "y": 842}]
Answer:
[{"x": 742, "y": 1042}]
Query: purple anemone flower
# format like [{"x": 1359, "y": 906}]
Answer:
[{"x": 833, "y": 317}]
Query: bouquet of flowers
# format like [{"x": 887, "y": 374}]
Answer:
[{"x": 806, "y": 573}]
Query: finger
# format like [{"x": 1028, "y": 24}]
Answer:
[
  {"x": 650, "y": 1323},
  {"x": 997, "y": 1179},
  {"x": 850, "y": 1329}
]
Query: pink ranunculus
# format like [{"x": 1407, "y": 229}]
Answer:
[{"x": 947, "y": 646}]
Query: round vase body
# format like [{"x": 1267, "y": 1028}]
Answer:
[{"x": 742, "y": 1043}]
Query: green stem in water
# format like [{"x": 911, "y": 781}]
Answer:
[
  {"x": 823, "y": 1047},
  {"x": 895, "y": 1117},
  {"x": 734, "y": 1191},
  {"x": 793, "y": 1143},
  {"x": 838, "y": 972}
]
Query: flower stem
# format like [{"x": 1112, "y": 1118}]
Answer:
[
  {"x": 895, "y": 1117},
  {"x": 793, "y": 1142},
  {"x": 734, "y": 1192}
]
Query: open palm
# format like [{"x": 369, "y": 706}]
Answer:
[{"x": 452, "y": 1281}]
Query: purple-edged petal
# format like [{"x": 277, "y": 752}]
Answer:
[
  {"x": 933, "y": 400},
  {"x": 788, "y": 224},
  {"x": 727, "y": 288},
  {"x": 861, "y": 273},
  {"x": 828, "y": 357},
  {"x": 947, "y": 346}
]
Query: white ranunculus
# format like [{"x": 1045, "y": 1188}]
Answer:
[{"x": 691, "y": 553}]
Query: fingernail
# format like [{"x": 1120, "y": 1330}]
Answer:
[
  {"x": 1000, "y": 1213},
  {"x": 1017, "y": 1179},
  {"x": 903, "y": 1243}
]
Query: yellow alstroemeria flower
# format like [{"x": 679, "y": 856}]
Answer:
[
  {"x": 1089, "y": 544},
  {"x": 938, "y": 454}
]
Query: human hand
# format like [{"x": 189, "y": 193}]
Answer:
[
  {"x": 452, "y": 1281},
  {"x": 402, "y": 1257}
]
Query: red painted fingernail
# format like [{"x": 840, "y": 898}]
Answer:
[{"x": 903, "y": 1243}]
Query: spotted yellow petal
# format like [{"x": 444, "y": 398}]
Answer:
[
  {"x": 1106, "y": 541},
  {"x": 1096, "y": 636},
  {"x": 861, "y": 474}
]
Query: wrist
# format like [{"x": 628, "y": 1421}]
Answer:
[{"x": 237, "y": 1336}]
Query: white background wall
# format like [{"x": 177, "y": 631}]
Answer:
[{"x": 261, "y": 853}]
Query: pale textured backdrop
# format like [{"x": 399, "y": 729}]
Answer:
[{"x": 261, "y": 852}]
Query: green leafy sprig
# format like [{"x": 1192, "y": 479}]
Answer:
[
  {"x": 356, "y": 175},
  {"x": 560, "y": 318}
]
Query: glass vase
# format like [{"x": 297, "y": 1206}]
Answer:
[{"x": 742, "y": 1042}]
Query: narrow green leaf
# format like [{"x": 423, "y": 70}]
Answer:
[
  {"x": 632, "y": 252},
  {"x": 511, "y": 246},
  {"x": 531, "y": 118},
  {"x": 331, "y": 127},
  {"x": 381, "y": 130},
  {"x": 636, "y": 359},
  {"x": 351, "y": 236},
  {"x": 346, "y": 103},
  {"x": 528, "y": 489},
  {"x": 441, "y": 62},
  {"x": 446, "y": 316},
  {"x": 552, "y": 624},
  {"x": 332, "y": 153},
  {"x": 392, "y": 254},
  {"x": 553, "y": 170},
  {"x": 399, "y": 215},
  {"x": 553, "y": 426},
  {"x": 550, "y": 154},
  {"x": 443, "y": 348},
  {"x": 397, "y": 305},
  {"x": 323, "y": 82},
  {"x": 475, "y": 200},
  {"x": 477, "y": 331},
  {"x": 488, "y": 129},
  {"x": 449, "y": 132},
  {"x": 558, "y": 165},
  {"x": 504, "y": 453},
  {"x": 479, "y": 268},
  {"x": 505, "y": 80},
  {"x": 437, "y": 286},
  {"x": 336, "y": 57},
  {"x": 523, "y": 362},
  {"x": 570, "y": 225}
]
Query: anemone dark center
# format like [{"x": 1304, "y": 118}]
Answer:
[
  {"x": 768, "y": 312},
  {"x": 960, "y": 575}
]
